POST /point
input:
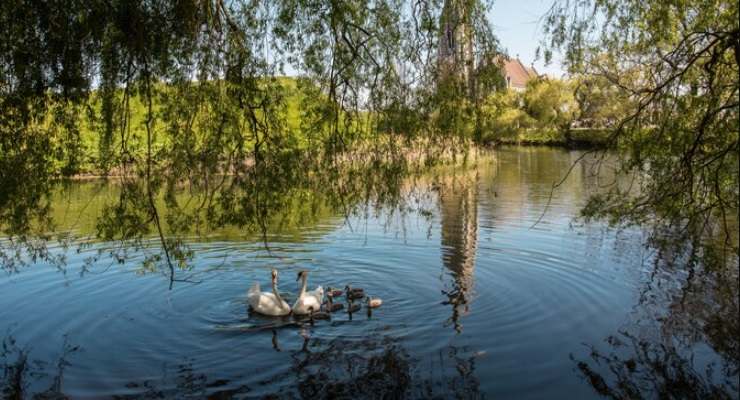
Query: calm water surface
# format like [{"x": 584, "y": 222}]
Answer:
[{"x": 477, "y": 303}]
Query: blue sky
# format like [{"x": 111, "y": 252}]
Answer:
[{"x": 517, "y": 25}]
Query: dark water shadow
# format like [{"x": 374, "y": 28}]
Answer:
[
  {"x": 19, "y": 371},
  {"x": 321, "y": 369},
  {"x": 687, "y": 308}
]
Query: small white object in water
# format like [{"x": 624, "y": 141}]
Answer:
[{"x": 374, "y": 302}]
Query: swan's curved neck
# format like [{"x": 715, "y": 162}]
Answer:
[
  {"x": 276, "y": 292},
  {"x": 303, "y": 286}
]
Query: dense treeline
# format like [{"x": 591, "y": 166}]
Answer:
[
  {"x": 546, "y": 113},
  {"x": 574, "y": 112}
]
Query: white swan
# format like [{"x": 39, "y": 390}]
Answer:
[
  {"x": 268, "y": 303},
  {"x": 307, "y": 299}
]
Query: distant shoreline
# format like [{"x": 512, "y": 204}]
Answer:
[
  {"x": 578, "y": 138},
  {"x": 419, "y": 153}
]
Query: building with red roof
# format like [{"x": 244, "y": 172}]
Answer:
[{"x": 516, "y": 74}]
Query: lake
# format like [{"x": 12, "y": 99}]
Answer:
[{"x": 490, "y": 288}]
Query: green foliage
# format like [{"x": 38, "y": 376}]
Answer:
[
  {"x": 454, "y": 113},
  {"x": 503, "y": 118},
  {"x": 545, "y": 113},
  {"x": 600, "y": 103},
  {"x": 550, "y": 103},
  {"x": 674, "y": 67},
  {"x": 590, "y": 136},
  {"x": 191, "y": 94}
]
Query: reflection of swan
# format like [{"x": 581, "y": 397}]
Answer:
[
  {"x": 268, "y": 303},
  {"x": 307, "y": 299},
  {"x": 275, "y": 344}
]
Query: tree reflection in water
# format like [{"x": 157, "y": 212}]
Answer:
[
  {"x": 458, "y": 202},
  {"x": 369, "y": 368},
  {"x": 660, "y": 353},
  {"x": 18, "y": 371},
  {"x": 288, "y": 192},
  {"x": 321, "y": 368}
]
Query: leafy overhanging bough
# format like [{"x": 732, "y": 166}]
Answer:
[
  {"x": 677, "y": 64},
  {"x": 189, "y": 95}
]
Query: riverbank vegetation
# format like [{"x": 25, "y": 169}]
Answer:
[
  {"x": 574, "y": 113},
  {"x": 549, "y": 112}
]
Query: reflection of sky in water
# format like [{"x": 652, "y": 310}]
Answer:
[{"x": 476, "y": 301}]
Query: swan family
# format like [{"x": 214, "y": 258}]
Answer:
[{"x": 309, "y": 302}]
